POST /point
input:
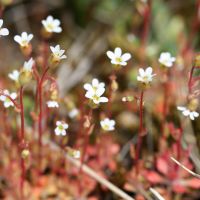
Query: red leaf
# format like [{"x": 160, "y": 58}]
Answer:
[
  {"x": 153, "y": 177},
  {"x": 193, "y": 183},
  {"x": 178, "y": 188},
  {"x": 162, "y": 165}
]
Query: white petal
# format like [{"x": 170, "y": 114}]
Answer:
[
  {"x": 57, "y": 131},
  {"x": 57, "y": 29},
  {"x": 149, "y": 70},
  {"x": 196, "y": 114},
  {"x": 100, "y": 91},
  {"x": 1, "y": 22},
  {"x": 118, "y": 52},
  {"x": 103, "y": 99},
  {"x": 65, "y": 126},
  {"x": 4, "y": 31},
  {"x": 126, "y": 56},
  {"x": 191, "y": 116},
  {"x": 186, "y": 112},
  {"x": 88, "y": 86},
  {"x": 58, "y": 123},
  {"x": 95, "y": 82},
  {"x": 17, "y": 39},
  {"x": 110, "y": 54},
  {"x": 141, "y": 72},
  {"x": 181, "y": 108}
]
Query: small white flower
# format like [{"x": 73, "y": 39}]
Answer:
[
  {"x": 76, "y": 154},
  {"x": 3, "y": 31},
  {"x": 61, "y": 128},
  {"x": 58, "y": 53},
  {"x": 95, "y": 91},
  {"x": 52, "y": 25},
  {"x": 73, "y": 113},
  {"x": 107, "y": 124},
  {"x": 14, "y": 75},
  {"x": 96, "y": 85},
  {"x": 24, "y": 39},
  {"x": 6, "y": 100},
  {"x": 52, "y": 104},
  {"x": 117, "y": 58},
  {"x": 28, "y": 65},
  {"x": 166, "y": 59},
  {"x": 146, "y": 75},
  {"x": 186, "y": 112}
]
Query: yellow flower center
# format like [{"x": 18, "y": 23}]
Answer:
[{"x": 118, "y": 59}]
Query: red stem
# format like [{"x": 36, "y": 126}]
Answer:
[
  {"x": 39, "y": 90},
  {"x": 147, "y": 17},
  {"x": 21, "y": 142},
  {"x": 190, "y": 79},
  {"x": 140, "y": 135}
]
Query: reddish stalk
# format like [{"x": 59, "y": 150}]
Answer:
[
  {"x": 147, "y": 17},
  {"x": 190, "y": 79},
  {"x": 21, "y": 143},
  {"x": 86, "y": 143},
  {"x": 40, "y": 118},
  {"x": 140, "y": 134}
]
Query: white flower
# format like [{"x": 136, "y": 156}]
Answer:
[
  {"x": 28, "y": 65},
  {"x": 14, "y": 75},
  {"x": 52, "y": 104},
  {"x": 73, "y": 113},
  {"x": 61, "y": 128},
  {"x": 117, "y": 58},
  {"x": 146, "y": 75},
  {"x": 107, "y": 124},
  {"x": 95, "y": 91},
  {"x": 76, "y": 154},
  {"x": 52, "y": 25},
  {"x": 24, "y": 39},
  {"x": 58, "y": 53},
  {"x": 186, "y": 112},
  {"x": 94, "y": 86},
  {"x": 166, "y": 59},
  {"x": 6, "y": 100},
  {"x": 3, "y": 31}
]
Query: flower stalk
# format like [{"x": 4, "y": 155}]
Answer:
[
  {"x": 140, "y": 134},
  {"x": 22, "y": 163}
]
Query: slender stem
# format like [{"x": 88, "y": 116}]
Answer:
[
  {"x": 86, "y": 143},
  {"x": 21, "y": 143},
  {"x": 140, "y": 135},
  {"x": 190, "y": 79},
  {"x": 147, "y": 18},
  {"x": 40, "y": 119}
]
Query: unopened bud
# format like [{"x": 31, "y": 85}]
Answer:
[{"x": 25, "y": 153}]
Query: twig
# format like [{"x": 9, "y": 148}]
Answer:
[
  {"x": 156, "y": 194},
  {"x": 185, "y": 168}
]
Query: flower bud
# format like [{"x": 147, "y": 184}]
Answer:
[
  {"x": 26, "y": 50},
  {"x": 25, "y": 153}
]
